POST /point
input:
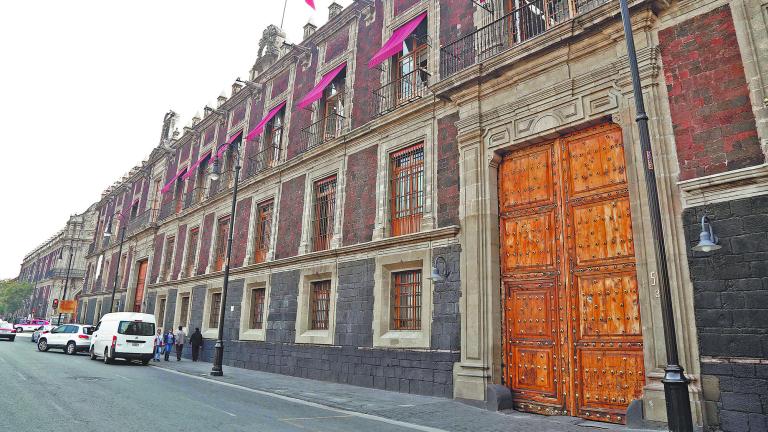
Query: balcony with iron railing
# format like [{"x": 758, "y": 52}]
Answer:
[
  {"x": 265, "y": 159},
  {"x": 139, "y": 222},
  {"x": 61, "y": 272},
  {"x": 517, "y": 27},
  {"x": 321, "y": 131},
  {"x": 401, "y": 91}
]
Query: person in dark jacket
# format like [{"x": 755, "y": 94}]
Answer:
[
  {"x": 170, "y": 341},
  {"x": 197, "y": 342}
]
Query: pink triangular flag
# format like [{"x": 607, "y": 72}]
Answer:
[{"x": 311, "y": 3}]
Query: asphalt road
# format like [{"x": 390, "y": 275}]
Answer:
[{"x": 53, "y": 391}]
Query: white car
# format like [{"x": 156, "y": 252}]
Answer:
[
  {"x": 7, "y": 331},
  {"x": 72, "y": 338},
  {"x": 44, "y": 329},
  {"x": 125, "y": 335}
]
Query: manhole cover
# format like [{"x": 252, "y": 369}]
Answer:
[{"x": 86, "y": 378}]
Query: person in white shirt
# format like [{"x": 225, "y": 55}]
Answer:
[{"x": 179, "y": 343}]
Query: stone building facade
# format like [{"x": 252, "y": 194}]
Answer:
[
  {"x": 497, "y": 144},
  {"x": 58, "y": 263}
]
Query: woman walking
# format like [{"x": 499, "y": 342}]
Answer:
[{"x": 159, "y": 345}]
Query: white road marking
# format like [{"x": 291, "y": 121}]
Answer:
[
  {"x": 58, "y": 408},
  {"x": 219, "y": 409},
  {"x": 20, "y": 375},
  {"x": 127, "y": 379},
  {"x": 315, "y": 418},
  {"x": 312, "y": 404}
]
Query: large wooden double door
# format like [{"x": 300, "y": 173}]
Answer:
[{"x": 571, "y": 314}]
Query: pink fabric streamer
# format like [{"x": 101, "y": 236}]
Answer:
[
  {"x": 194, "y": 166},
  {"x": 231, "y": 139},
  {"x": 317, "y": 92},
  {"x": 395, "y": 43},
  {"x": 311, "y": 3},
  {"x": 260, "y": 127}
]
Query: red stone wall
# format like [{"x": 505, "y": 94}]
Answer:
[
  {"x": 206, "y": 235},
  {"x": 280, "y": 83},
  {"x": 456, "y": 20},
  {"x": 337, "y": 44},
  {"x": 300, "y": 118},
  {"x": 126, "y": 271},
  {"x": 156, "y": 255},
  {"x": 447, "y": 171},
  {"x": 403, "y": 5},
  {"x": 360, "y": 196},
  {"x": 181, "y": 241},
  {"x": 291, "y": 210},
  {"x": 112, "y": 272},
  {"x": 240, "y": 237},
  {"x": 366, "y": 79},
  {"x": 712, "y": 116},
  {"x": 238, "y": 114}
]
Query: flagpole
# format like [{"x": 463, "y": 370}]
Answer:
[{"x": 285, "y": 5}]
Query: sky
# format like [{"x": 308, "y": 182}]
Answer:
[{"x": 84, "y": 85}]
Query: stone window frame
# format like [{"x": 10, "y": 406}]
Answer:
[
  {"x": 330, "y": 168},
  {"x": 209, "y": 332},
  {"x": 185, "y": 257},
  {"x": 166, "y": 260},
  {"x": 347, "y": 57},
  {"x": 255, "y": 281},
  {"x": 383, "y": 334},
  {"x": 262, "y": 195},
  {"x": 417, "y": 134},
  {"x": 393, "y": 22},
  {"x": 183, "y": 292},
  {"x": 304, "y": 335}
]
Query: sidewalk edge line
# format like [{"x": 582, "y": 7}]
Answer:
[{"x": 308, "y": 403}]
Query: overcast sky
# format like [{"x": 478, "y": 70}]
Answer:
[{"x": 84, "y": 85}]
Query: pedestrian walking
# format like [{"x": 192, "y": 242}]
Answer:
[
  {"x": 169, "y": 342},
  {"x": 159, "y": 345},
  {"x": 197, "y": 342},
  {"x": 180, "y": 336}
]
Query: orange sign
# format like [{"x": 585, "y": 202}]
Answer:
[{"x": 67, "y": 306}]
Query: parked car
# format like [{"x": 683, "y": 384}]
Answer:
[
  {"x": 72, "y": 338},
  {"x": 41, "y": 330},
  {"x": 7, "y": 331},
  {"x": 125, "y": 335},
  {"x": 30, "y": 325}
]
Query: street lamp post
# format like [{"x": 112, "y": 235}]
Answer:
[
  {"x": 218, "y": 357},
  {"x": 108, "y": 233},
  {"x": 675, "y": 382}
]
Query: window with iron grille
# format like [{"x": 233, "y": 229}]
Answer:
[
  {"x": 201, "y": 181},
  {"x": 194, "y": 234},
  {"x": 406, "y": 300},
  {"x": 184, "y": 311},
  {"x": 320, "y": 300},
  {"x": 410, "y": 65},
  {"x": 407, "y": 190},
  {"x": 168, "y": 256},
  {"x": 257, "y": 309},
  {"x": 179, "y": 193},
  {"x": 161, "y": 312},
  {"x": 324, "y": 209},
  {"x": 263, "y": 231},
  {"x": 222, "y": 232},
  {"x": 273, "y": 131},
  {"x": 213, "y": 315}
]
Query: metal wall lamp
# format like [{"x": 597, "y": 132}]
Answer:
[
  {"x": 437, "y": 275},
  {"x": 708, "y": 241}
]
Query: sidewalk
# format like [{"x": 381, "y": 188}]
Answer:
[{"x": 444, "y": 414}]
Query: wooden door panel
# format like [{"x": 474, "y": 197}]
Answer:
[
  {"x": 595, "y": 161},
  {"x": 608, "y": 381},
  {"x": 526, "y": 179},
  {"x": 533, "y": 375},
  {"x": 603, "y": 231},
  {"x": 531, "y": 310},
  {"x": 528, "y": 242},
  {"x": 608, "y": 306}
]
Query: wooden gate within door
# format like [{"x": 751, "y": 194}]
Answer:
[
  {"x": 138, "y": 297},
  {"x": 572, "y": 336}
]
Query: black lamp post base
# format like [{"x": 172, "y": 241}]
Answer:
[
  {"x": 217, "y": 372},
  {"x": 218, "y": 359},
  {"x": 676, "y": 396}
]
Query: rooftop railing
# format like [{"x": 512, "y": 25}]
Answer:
[{"x": 520, "y": 25}]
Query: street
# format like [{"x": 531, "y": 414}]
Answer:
[{"x": 53, "y": 391}]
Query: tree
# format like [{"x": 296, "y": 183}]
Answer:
[{"x": 12, "y": 295}]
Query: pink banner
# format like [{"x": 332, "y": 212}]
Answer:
[
  {"x": 170, "y": 183},
  {"x": 395, "y": 43},
  {"x": 317, "y": 92},
  {"x": 231, "y": 139},
  {"x": 194, "y": 166},
  {"x": 260, "y": 127},
  {"x": 311, "y": 3}
]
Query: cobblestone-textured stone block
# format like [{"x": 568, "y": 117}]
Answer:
[
  {"x": 291, "y": 211},
  {"x": 240, "y": 237},
  {"x": 360, "y": 196},
  {"x": 206, "y": 237},
  {"x": 447, "y": 171}
]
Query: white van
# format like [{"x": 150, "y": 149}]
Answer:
[{"x": 125, "y": 335}]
